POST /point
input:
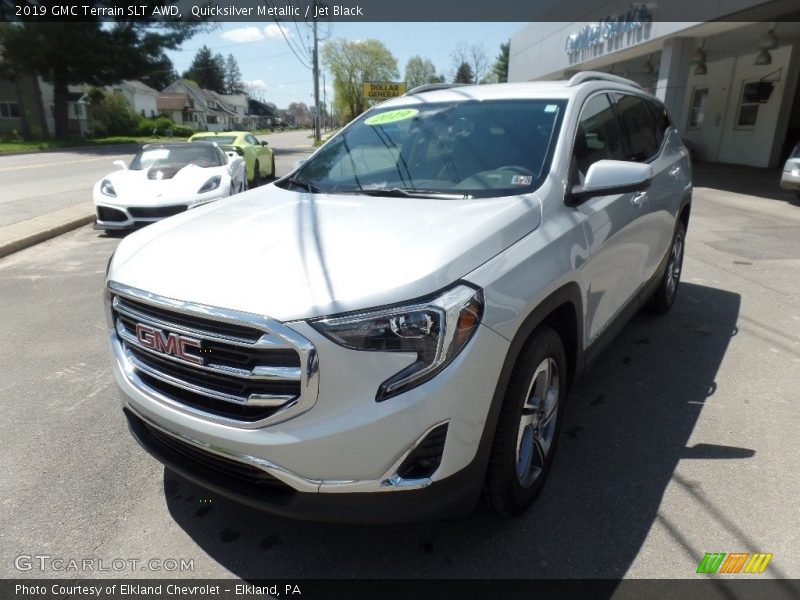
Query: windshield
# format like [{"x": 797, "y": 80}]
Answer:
[
  {"x": 465, "y": 148},
  {"x": 202, "y": 155},
  {"x": 796, "y": 152}
]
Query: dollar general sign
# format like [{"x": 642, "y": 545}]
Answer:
[{"x": 384, "y": 90}]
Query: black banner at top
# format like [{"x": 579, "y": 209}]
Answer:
[{"x": 399, "y": 11}]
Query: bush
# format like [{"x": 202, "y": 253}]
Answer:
[
  {"x": 163, "y": 126},
  {"x": 110, "y": 114}
]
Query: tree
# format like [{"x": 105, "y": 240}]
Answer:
[
  {"x": 90, "y": 51},
  {"x": 162, "y": 74},
  {"x": 463, "y": 74},
  {"x": 474, "y": 56},
  {"x": 500, "y": 67},
  {"x": 299, "y": 113},
  {"x": 110, "y": 114},
  {"x": 419, "y": 71},
  {"x": 233, "y": 76},
  {"x": 207, "y": 70},
  {"x": 353, "y": 63}
]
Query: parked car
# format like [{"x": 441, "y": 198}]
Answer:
[
  {"x": 166, "y": 179},
  {"x": 258, "y": 156},
  {"x": 790, "y": 177},
  {"x": 390, "y": 333}
]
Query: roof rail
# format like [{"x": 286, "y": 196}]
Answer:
[
  {"x": 427, "y": 87},
  {"x": 585, "y": 76}
]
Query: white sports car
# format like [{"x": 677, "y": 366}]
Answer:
[{"x": 167, "y": 179}]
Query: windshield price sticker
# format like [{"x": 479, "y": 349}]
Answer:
[{"x": 392, "y": 116}]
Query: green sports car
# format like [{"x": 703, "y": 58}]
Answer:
[{"x": 258, "y": 157}]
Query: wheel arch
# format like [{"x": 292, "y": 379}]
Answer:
[{"x": 562, "y": 310}]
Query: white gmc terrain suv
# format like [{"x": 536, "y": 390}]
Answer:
[{"x": 390, "y": 333}]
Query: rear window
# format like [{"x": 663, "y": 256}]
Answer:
[{"x": 638, "y": 129}]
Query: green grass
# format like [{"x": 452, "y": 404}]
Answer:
[{"x": 44, "y": 145}]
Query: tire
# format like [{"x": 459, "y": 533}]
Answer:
[
  {"x": 272, "y": 172},
  {"x": 664, "y": 296},
  {"x": 530, "y": 419},
  {"x": 245, "y": 186},
  {"x": 256, "y": 175}
]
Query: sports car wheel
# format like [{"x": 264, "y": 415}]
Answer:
[
  {"x": 256, "y": 175},
  {"x": 272, "y": 172}
]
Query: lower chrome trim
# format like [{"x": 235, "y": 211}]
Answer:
[{"x": 389, "y": 482}]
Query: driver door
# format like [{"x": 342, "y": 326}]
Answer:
[{"x": 613, "y": 272}]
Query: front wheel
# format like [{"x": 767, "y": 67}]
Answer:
[
  {"x": 256, "y": 175},
  {"x": 272, "y": 172},
  {"x": 664, "y": 296},
  {"x": 528, "y": 426}
]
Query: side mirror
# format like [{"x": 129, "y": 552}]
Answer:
[
  {"x": 609, "y": 177},
  {"x": 264, "y": 144},
  {"x": 121, "y": 164}
]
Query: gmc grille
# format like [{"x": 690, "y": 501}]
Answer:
[{"x": 249, "y": 373}]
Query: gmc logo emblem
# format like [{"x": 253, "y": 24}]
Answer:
[{"x": 172, "y": 343}]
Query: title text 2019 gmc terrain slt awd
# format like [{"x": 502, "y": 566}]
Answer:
[{"x": 390, "y": 332}]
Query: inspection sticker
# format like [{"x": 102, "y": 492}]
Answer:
[
  {"x": 521, "y": 179},
  {"x": 392, "y": 116}
]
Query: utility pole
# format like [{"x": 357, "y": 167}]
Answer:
[
  {"x": 324, "y": 99},
  {"x": 316, "y": 78}
]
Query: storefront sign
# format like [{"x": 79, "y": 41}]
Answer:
[
  {"x": 609, "y": 28},
  {"x": 382, "y": 91}
]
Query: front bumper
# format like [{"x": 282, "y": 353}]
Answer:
[
  {"x": 347, "y": 445},
  {"x": 790, "y": 180},
  {"x": 110, "y": 216}
]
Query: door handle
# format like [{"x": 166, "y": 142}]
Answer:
[
  {"x": 639, "y": 198},
  {"x": 674, "y": 171}
]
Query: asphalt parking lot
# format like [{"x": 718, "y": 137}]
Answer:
[{"x": 681, "y": 440}]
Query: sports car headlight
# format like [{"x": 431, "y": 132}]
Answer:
[
  {"x": 435, "y": 330},
  {"x": 107, "y": 189},
  {"x": 211, "y": 184}
]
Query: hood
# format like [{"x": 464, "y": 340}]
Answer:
[
  {"x": 144, "y": 187},
  {"x": 293, "y": 255}
]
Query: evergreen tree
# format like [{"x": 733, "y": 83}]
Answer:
[
  {"x": 207, "y": 70},
  {"x": 233, "y": 76},
  {"x": 463, "y": 74}
]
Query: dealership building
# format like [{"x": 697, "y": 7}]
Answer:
[{"x": 731, "y": 87}]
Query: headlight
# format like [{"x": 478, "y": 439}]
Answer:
[
  {"x": 436, "y": 330},
  {"x": 107, "y": 189},
  {"x": 211, "y": 184}
]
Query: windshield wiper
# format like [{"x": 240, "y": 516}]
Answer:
[
  {"x": 309, "y": 187},
  {"x": 396, "y": 192}
]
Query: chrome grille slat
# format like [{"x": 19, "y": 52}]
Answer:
[
  {"x": 255, "y": 370},
  {"x": 262, "y": 373},
  {"x": 266, "y": 341}
]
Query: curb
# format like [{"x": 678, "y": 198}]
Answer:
[{"x": 19, "y": 236}]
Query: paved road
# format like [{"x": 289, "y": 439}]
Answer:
[
  {"x": 681, "y": 440},
  {"x": 36, "y": 184}
]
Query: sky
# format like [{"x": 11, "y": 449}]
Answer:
[{"x": 266, "y": 60}]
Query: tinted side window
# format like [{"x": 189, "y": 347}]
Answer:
[
  {"x": 598, "y": 137},
  {"x": 251, "y": 140},
  {"x": 638, "y": 128},
  {"x": 662, "y": 119}
]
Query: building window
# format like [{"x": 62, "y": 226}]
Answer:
[
  {"x": 211, "y": 120},
  {"x": 697, "y": 113},
  {"x": 9, "y": 110},
  {"x": 754, "y": 93}
]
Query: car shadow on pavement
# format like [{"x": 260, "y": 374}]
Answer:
[
  {"x": 627, "y": 425},
  {"x": 742, "y": 179}
]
